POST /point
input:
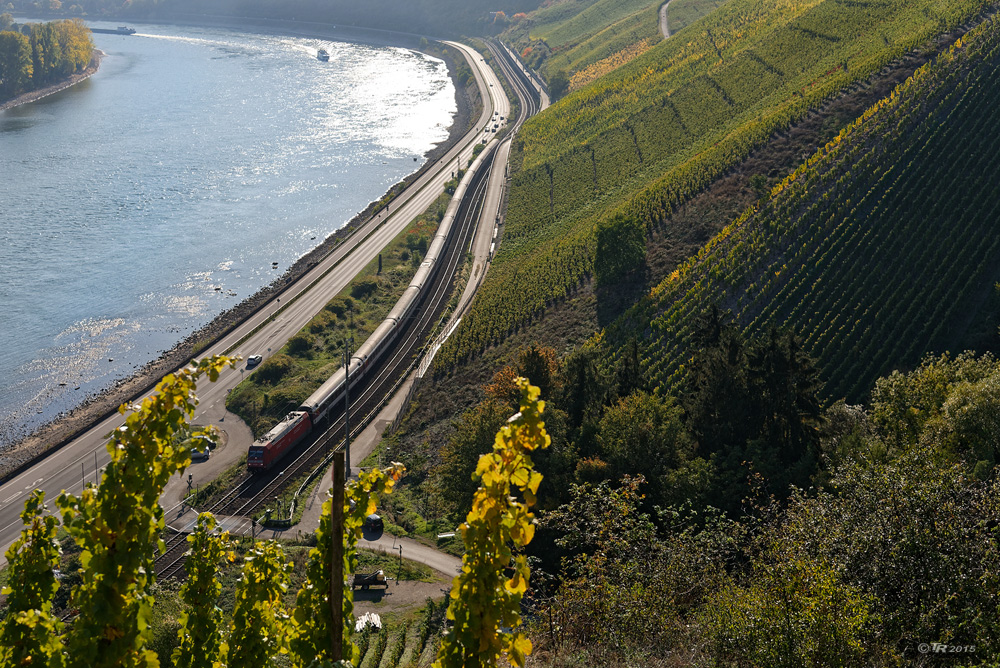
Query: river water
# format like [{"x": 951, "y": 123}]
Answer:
[{"x": 137, "y": 205}]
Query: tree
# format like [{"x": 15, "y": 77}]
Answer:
[
  {"x": 621, "y": 248},
  {"x": 558, "y": 84},
  {"x": 474, "y": 436},
  {"x": 15, "y": 64},
  {"x": 754, "y": 406}
]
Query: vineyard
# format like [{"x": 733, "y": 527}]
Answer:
[
  {"x": 570, "y": 37},
  {"x": 878, "y": 249},
  {"x": 683, "y": 13},
  {"x": 606, "y": 65},
  {"x": 405, "y": 644},
  {"x": 648, "y": 136}
]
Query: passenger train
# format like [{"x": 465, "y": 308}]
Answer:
[{"x": 268, "y": 449}]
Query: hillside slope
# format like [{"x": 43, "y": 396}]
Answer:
[
  {"x": 881, "y": 247},
  {"x": 564, "y": 38},
  {"x": 647, "y": 137}
]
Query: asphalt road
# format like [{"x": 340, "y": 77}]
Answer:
[
  {"x": 664, "y": 23},
  {"x": 79, "y": 461}
]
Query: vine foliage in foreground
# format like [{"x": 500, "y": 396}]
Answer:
[
  {"x": 313, "y": 617},
  {"x": 483, "y": 599},
  {"x": 118, "y": 524}
]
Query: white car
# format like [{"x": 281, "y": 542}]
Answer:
[{"x": 253, "y": 361}]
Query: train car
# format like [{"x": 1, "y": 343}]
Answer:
[
  {"x": 286, "y": 434},
  {"x": 318, "y": 405}
]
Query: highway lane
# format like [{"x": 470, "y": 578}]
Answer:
[{"x": 78, "y": 462}]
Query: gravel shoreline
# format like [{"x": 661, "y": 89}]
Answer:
[{"x": 53, "y": 435}]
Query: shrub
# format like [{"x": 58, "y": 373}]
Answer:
[
  {"x": 299, "y": 344},
  {"x": 364, "y": 288},
  {"x": 273, "y": 369}
]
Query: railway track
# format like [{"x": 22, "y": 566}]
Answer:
[{"x": 253, "y": 491}]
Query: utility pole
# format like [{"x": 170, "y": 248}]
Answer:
[
  {"x": 337, "y": 560},
  {"x": 347, "y": 407}
]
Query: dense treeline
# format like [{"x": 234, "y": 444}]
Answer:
[
  {"x": 430, "y": 17},
  {"x": 892, "y": 557},
  {"x": 644, "y": 139},
  {"x": 877, "y": 249},
  {"x": 680, "y": 526},
  {"x": 48, "y": 53},
  {"x": 748, "y": 420}
]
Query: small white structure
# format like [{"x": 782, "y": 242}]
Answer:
[{"x": 367, "y": 619}]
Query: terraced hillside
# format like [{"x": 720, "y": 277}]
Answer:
[
  {"x": 570, "y": 36},
  {"x": 881, "y": 247},
  {"x": 625, "y": 151},
  {"x": 683, "y": 13}
]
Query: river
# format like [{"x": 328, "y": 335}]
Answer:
[{"x": 194, "y": 168}]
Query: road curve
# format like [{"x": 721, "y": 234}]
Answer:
[{"x": 664, "y": 23}]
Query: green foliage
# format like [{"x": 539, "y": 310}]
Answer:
[
  {"x": 118, "y": 524},
  {"x": 645, "y": 434},
  {"x": 201, "y": 644},
  {"x": 630, "y": 581},
  {"x": 29, "y": 633},
  {"x": 790, "y": 613},
  {"x": 273, "y": 369},
  {"x": 683, "y": 13},
  {"x": 51, "y": 52},
  {"x": 364, "y": 288},
  {"x": 299, "y": 345},
  {"x": 313, "y": 617},
  {"x": 566, "y": 37},
  {"x": 260, "y": 622},
  {"x": 621, "y": 248},
  {"x": 15, "y": 64},
  {"x": 483, "y": 599},
  {"x": 754, "y": 404},
  {"x": 474, "y": 436}
]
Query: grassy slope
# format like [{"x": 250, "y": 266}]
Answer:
[
  {"x": 647, "y": 137},
  {"x": 261, "y": 403},
  {"x": 595, "y": 19},
  {"x": 879, "y": 249}
]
